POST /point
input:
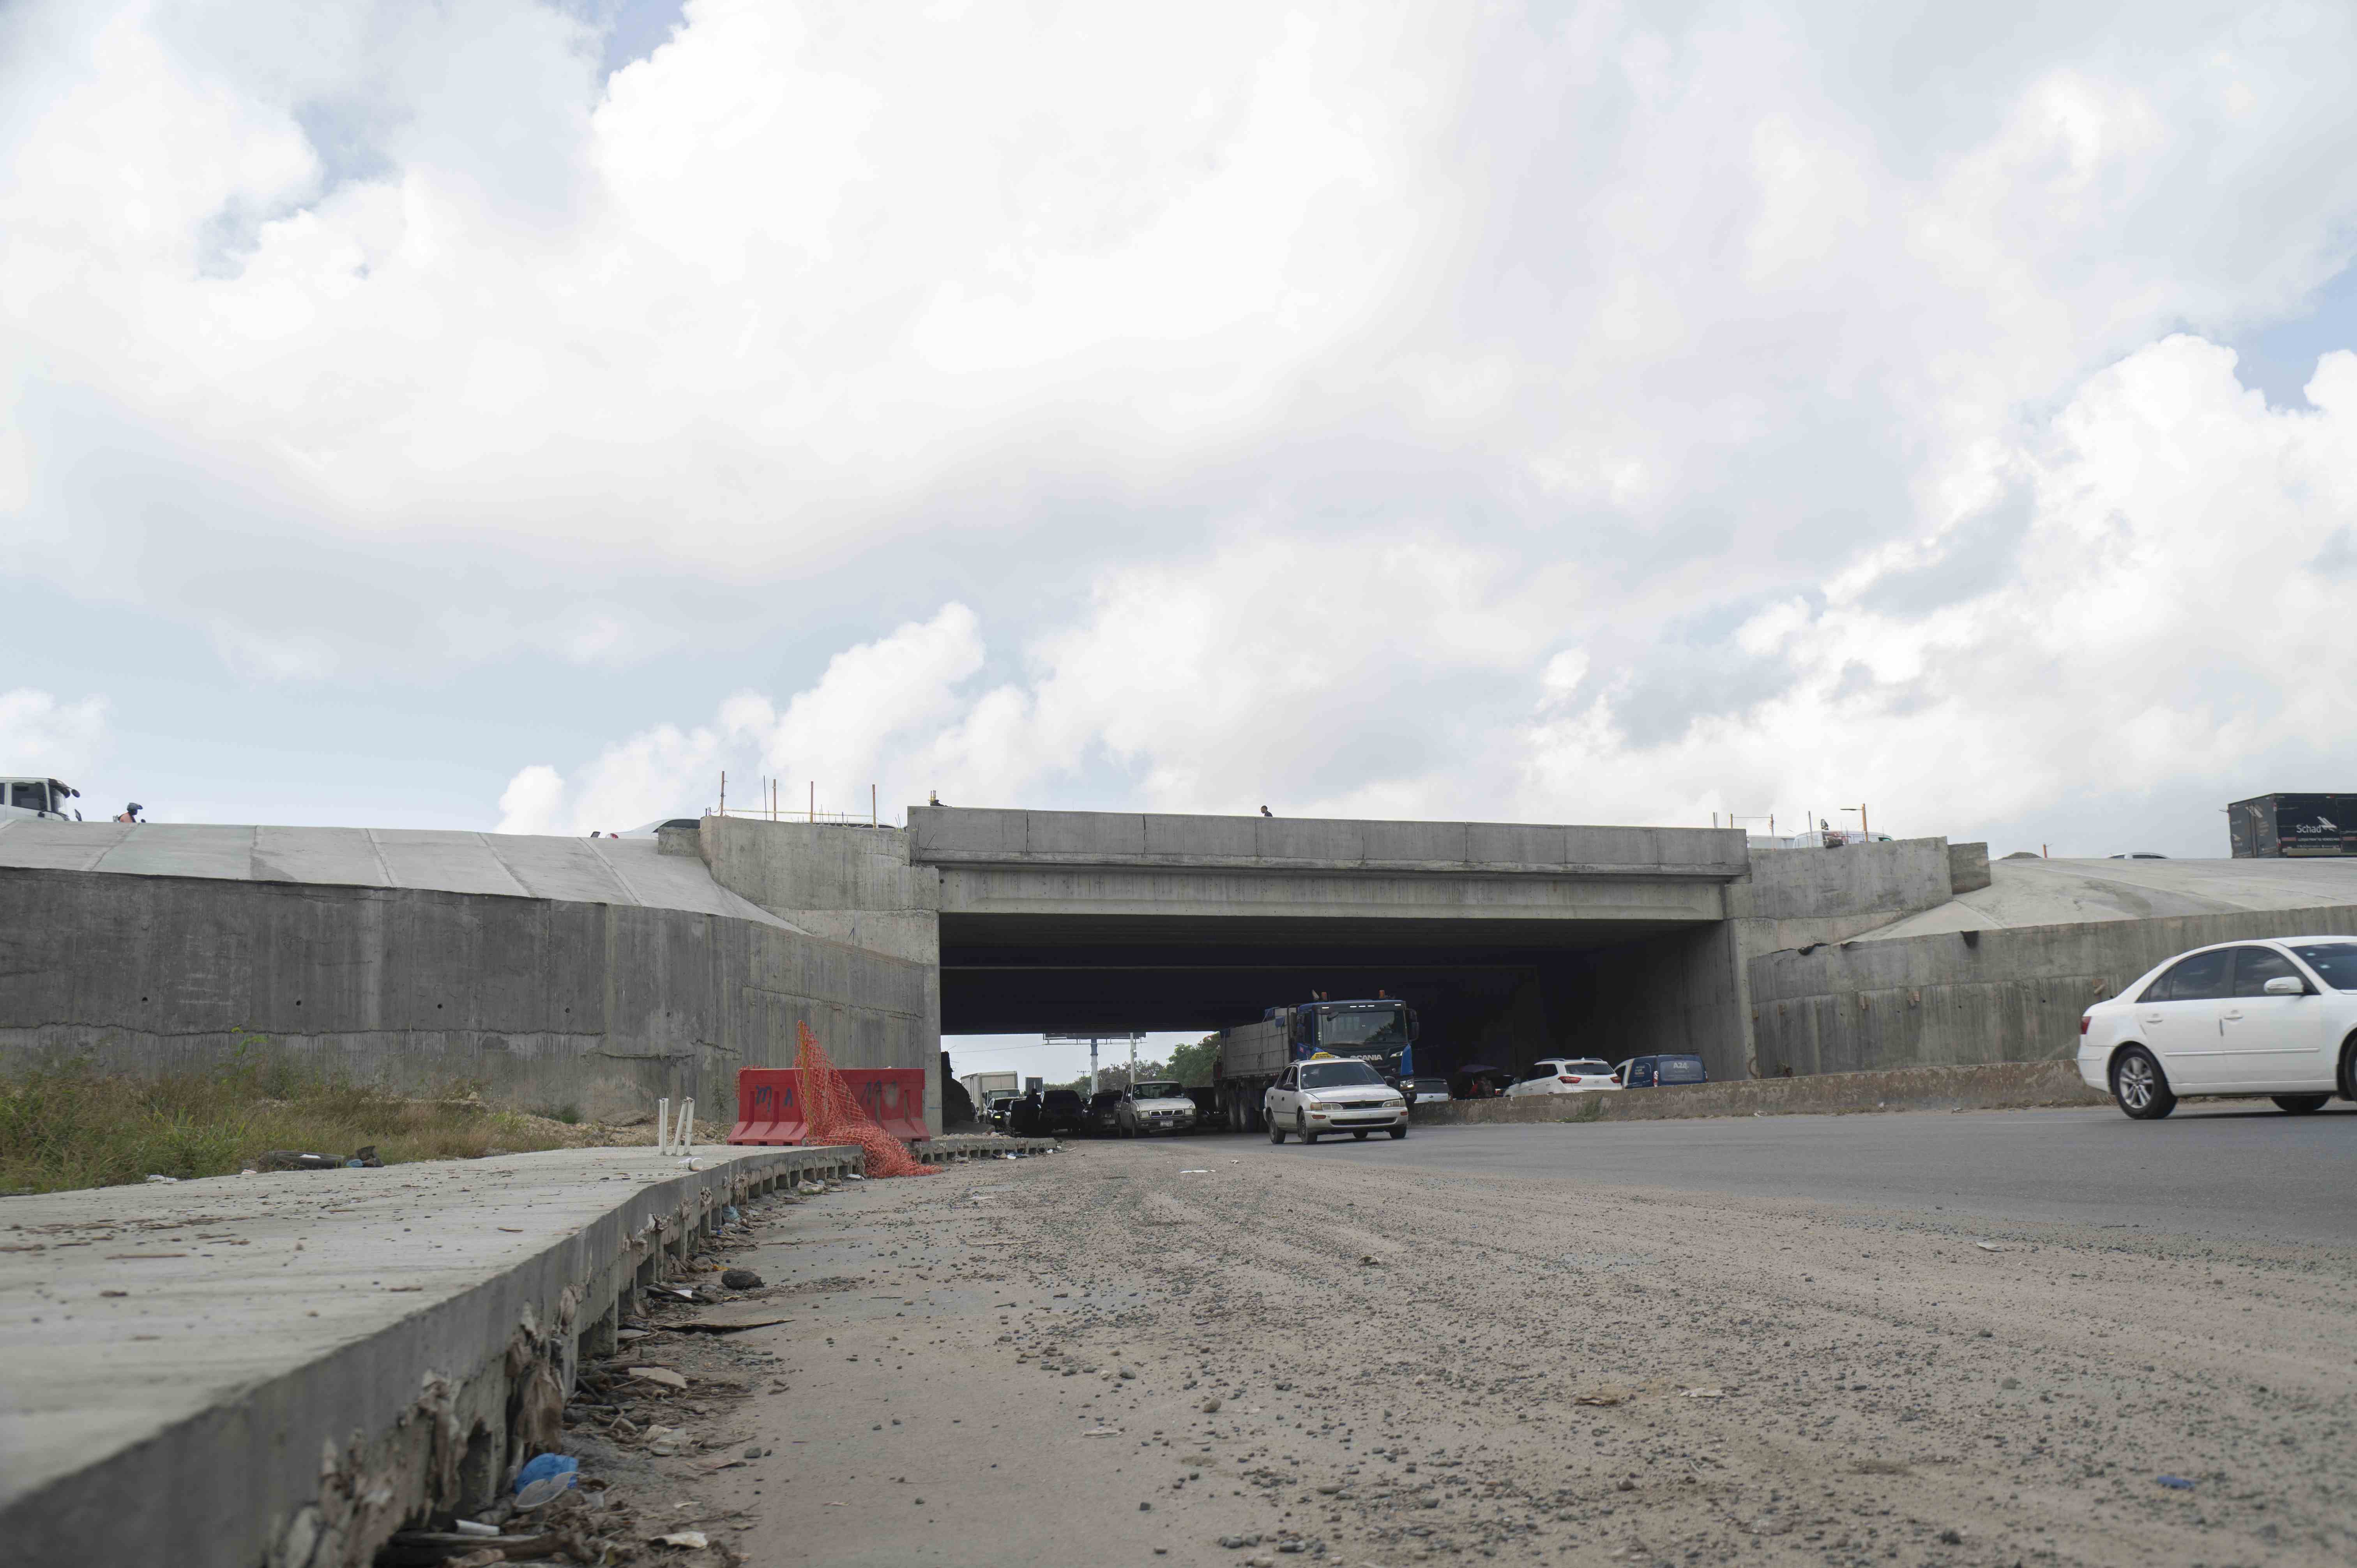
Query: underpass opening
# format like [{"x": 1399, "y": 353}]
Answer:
[{"x": 1493, "y": 994}]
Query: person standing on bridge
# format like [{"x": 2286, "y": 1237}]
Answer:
[{"x": 1266, "y": 812}]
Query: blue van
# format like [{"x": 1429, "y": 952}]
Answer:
[{"x": 1655, "y": 1072}]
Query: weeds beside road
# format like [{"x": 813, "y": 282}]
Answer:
[{"x": 64, "y": 1126}]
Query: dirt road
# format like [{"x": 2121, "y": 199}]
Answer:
[{"x": 1125, "y": 1353}]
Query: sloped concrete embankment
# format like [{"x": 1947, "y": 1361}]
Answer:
[
  {"x": 2003, "y": 995},
  {"x": 1995, "y": 1086},
  {"x": 287, "y": 1369},
  {"x": 551, "y": 972}
]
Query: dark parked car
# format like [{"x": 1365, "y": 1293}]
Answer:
[
  {"x": 1653, "y": 1072},
  {"x": 1102, "y": 1121},
  {"x": 1062, "y": 1112},
  {"x": 1422, "y": 1090}
]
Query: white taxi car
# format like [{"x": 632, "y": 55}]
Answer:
[
  {"x": 1332, "y": 1094},
  {"x": 2276, "y": 1018},
  {"x": 1564, "y": 1075}
]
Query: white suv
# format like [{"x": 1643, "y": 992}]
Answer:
[
  {"x": 1332, "y": 1094},
  {"x": 1160, "y": 1107},
  {"x": 2276, "y": 1018},
  {"x": 1564, "y": 1075}
]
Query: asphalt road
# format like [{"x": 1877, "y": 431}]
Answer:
[{"x": 2221, "y": 1170}]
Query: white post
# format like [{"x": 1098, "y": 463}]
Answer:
[
  {"x": 686, "y": 1137},
  {"x": 662, "y": 1125}
]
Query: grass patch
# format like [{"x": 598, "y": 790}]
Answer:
[{"x": 64, "y": 1125}]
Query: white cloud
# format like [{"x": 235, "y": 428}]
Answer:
[
  {"x": 1410, "y": 408},
  {"x": 851, "y": 729},
  {"x": 40, "y": 734},
  {"x": 534, "y": 803},
  {"x": 258, "y": 655},
  {"x": 658, "y": 773},
  {"x": 841, "y": 732},
  {"x": 2169, "y": 619}
]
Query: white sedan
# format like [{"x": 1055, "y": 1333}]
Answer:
[
  {"x": 2276, "y": 1018},
  {"x": 1332, "y": 1094},
  {"x": 1564, "y": 1075}
]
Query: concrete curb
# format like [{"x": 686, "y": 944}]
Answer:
[
  {"x": 312, "y": 1391},
  {"x": 1991, "y": 1086},
  {"x": 979, "y": 1146}
]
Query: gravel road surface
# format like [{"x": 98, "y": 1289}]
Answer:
[{"x": 1528, "y": 1344}]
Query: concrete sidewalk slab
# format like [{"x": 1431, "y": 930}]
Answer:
[{"x": 283, "y": 1367}]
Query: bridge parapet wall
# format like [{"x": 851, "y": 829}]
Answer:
[{"x": 947, "y": 836}]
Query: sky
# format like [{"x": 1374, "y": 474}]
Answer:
[{"x": 510, "y": 417}]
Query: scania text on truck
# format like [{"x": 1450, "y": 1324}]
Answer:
[{"x": 1381, "y": 1033}]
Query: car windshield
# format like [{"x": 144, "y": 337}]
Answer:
[
  {"x": 1586, "y": 1067},
  {"x": 1158, "y": 1092},
  {"x": 1336, "y": 1074},
  {"x": 1380, "y": 1025},
  {"x": 2335, "y": 962}
]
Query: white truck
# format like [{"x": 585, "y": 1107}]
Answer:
[
  {"x": 38, "y": 800},
  {"x": 986, "y": 1089}
]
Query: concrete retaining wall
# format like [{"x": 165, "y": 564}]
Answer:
[
  {"x": 849, "y": 885},
  {"x": 2010, "y": 995},
  {"x": 1990, "y": 1087},
  {"x": 546, "y": 1004}
]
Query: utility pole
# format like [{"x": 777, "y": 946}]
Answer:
[
  {"x": 1092, "y": 1064},
  {"x": 1133, "y": 1059}
]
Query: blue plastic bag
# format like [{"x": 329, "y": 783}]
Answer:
[{"x": 545, "y": 1467}]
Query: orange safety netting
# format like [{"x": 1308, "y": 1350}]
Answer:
[{"x": 835, "y": 1115}]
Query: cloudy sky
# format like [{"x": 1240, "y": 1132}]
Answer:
[{"x": 509, "y": 415}]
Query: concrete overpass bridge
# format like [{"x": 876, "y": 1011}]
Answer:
[
  {"x": 601, "y": 973},
  {"x": 1087, "y": 921},
  {"x": 1511, "y": 939}
]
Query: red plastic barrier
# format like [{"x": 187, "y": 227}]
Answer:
[
  {"x": 894, "y": 1096},
  {"x": 770, "y": 1102},
  {"x": 770, "y": 1106}
]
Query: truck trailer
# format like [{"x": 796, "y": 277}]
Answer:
[
  {"x": 2270, "y": 825},
  {"x": 1381, "y": 1033},
  {"x": 986, "y": 1089}
]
